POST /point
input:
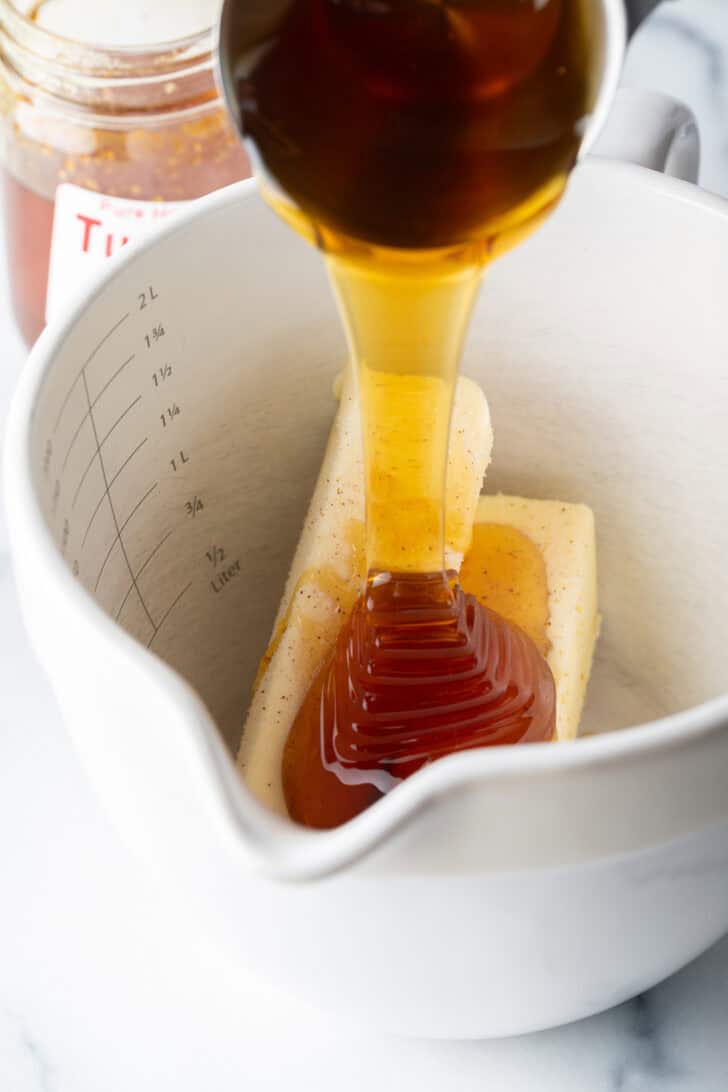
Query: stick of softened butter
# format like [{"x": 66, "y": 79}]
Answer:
[
  {"x": 328, "y": 568},
  {"x": 565, "y": 538}
]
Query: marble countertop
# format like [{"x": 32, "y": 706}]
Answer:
[{"x": 100, "y": 991}]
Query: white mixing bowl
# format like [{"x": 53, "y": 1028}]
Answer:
[{"x": 169, "y": 432}]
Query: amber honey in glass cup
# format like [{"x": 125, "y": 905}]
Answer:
[{"x": 143, "y": 123}]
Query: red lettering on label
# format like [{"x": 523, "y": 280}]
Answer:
[
  {"x": 110, "y": 243},
  {"x": 89, "y": 223}
]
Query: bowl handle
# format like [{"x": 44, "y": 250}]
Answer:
[{"x": 652, "y": 130}]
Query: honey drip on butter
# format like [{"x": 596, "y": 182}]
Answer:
[{"x": 412, "y": 141}]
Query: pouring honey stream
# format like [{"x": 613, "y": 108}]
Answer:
[{"x": 412, "y": 141}]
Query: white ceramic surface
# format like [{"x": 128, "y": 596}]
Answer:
[{"x": 461, "y": 860}]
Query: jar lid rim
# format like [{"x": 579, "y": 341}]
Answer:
[{"x": 98, "y": 57}]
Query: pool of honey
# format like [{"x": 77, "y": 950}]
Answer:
[
  {"x": 413, "y": 142},
  {"x": 428, "y": 674}
]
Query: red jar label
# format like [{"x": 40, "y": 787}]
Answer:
[{"x": 89, "y": 228}]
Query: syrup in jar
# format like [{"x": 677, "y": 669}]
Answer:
[
  {"x": 136, "y": 119},
  {"x": 411, "y": 140}
]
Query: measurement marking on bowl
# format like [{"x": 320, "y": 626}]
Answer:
[
  {"x": 118, "y": 539},
  {"x": 167, "y": 613},
  {"x": 86, "y": 415},
  {"x": 126, "y": 462},
  {"x": 75, "y": 436},
  {"x": 70, "y": 433},
  {"x": 70, "y": 390},
  {"x": 139, "y": 572},
  {"x": 97, "y": 452}
]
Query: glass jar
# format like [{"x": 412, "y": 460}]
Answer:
[{"x": 143, "y": 123}]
